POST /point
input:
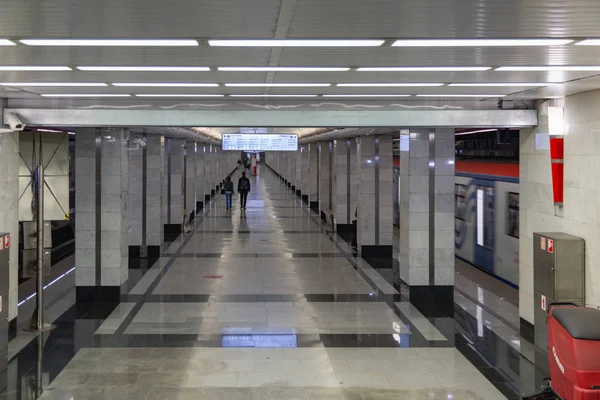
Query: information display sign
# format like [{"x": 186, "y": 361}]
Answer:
[{"x": 259, "y": 142}]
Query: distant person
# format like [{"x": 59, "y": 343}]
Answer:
[
  {"x": 228, "y": 188},
  {"x": 243, "y": 189}
]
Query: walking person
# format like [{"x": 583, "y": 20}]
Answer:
[
  {"x": 228, "y": 188},
  {"x": 243, "y": 189}
]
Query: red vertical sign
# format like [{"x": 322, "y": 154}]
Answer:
[{"x": 550, "y": 246}]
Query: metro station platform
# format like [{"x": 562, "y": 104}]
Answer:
[{"x": 265, "y": 303}]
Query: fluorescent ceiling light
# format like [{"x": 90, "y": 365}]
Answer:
[
  {"x": 552, "y": 68},
  {"x": 272, "y": 95},
  {"x": 477, "y": 131},
  {"x": 588, "y": 42},
  {"x": 6, "y": 42},
  {"x": 367, "y": 95},
  {"x": 151, "y": 84},
  {"x": 296, "y": 43},
  {"x": 179, "y": 95},
  {"x": 54, "y": 84},
  {"x": 278, "y": 84},
  {"x": 285, "y": 69},
  {"x": 479, "y": 42},
  {"x": 461, "y": 95},
  {"x": 32, "y": 68},
  {"x": 423, "y": 69},
  {"x": 144, "y": 69},
  {"x": 84, "y": 95},
  {"x": 507, "y": 84},
  {"x": 109, "y": 42},
  {"x": 388, "y": 84},
  {"x": 49, "y": 130}
]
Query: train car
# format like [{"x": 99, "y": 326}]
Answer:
[{"x": 487, "y": 217}]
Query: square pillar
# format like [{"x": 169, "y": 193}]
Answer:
[
  {"x": 325, "y": 180},
  {"x": 101, "y": 224},
  {"x": 298, "y": 178},
  {"x": 374, "y": 201},
  {"x": 305, "y": 160},
  {"x": 156, "y": 211},
  {"x": 313, "y": 176},
  {"x": 9, "y": 217},
  {"x": 427, "y": 214},
  {"x": 344, "y": 201},
  {"x": 175, "y": 188},
  {"x": 189, "y": 206},
  {"x": 200, "y": 179}
]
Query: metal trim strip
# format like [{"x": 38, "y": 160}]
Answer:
[
  {"x": 432, "y": 207},
  {"x": 98, "y": 194},
  {"x": 377, "y": 194}
]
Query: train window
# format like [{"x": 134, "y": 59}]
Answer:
[
  {"x": 512, "y": 226},
  {"x": 460, "y": 201}
]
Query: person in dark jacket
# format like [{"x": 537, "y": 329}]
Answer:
[
  {"x": 228, "y": 188},
  {"x": 243, "y": 189}
]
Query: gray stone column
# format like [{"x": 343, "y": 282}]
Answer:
[
  {"x": 200, "y": 178},
  {"x": 156, "y": 211},
  {"x": 175, "y": 187},
  {"x": 299, "y": 172},
  {"x": 101, "y": 222},
  {"x": 135, "y": 199},
  {"x": 305, "y": 185},
  {"x": 9, "y": 213},
  {"x": 427, "y": 213},
  {"x": 190, "y": 179},
  {"x": 375, "y": 202},
  {"x": 325, "y": 180},
  {"x": 344, "y": 201},
  {"x": 313, "y": 175}
]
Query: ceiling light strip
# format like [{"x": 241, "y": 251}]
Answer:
[
  {"x": 163, "y": 84},
  {"x": 143, "y": 69},
  {"x": 422, "y": 69},
  {"x": 84, "y": 95},
  {"x": 6, "y": 42},
  {"x": 550, "y": 68},
  {"x": 461, "y": 95},
  {"x": 367, "y": 95},
  {"x": 588, "y": 42},
  {"x": 479, "y": 42},
  {"x": 284, "y": 69},
  {"x": 296, "y": 43},
  {"x": 54, "y": 84},
  {"x": 273, "y": 95},
  {"x": 111, "y": 42},
  {"x": 389, "y": 84},
  {"x": 33, "y": 68},
  {"x": 278, "y": 84},
  {"x": 502, "y": 84},
  {"x": 179, "y": 95}
]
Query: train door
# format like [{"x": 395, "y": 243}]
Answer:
[{"x": 484, "y": 227}]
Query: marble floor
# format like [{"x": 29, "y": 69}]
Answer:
[{"x": 265, "y": 303}]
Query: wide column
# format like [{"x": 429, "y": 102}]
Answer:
[
  {"x": 156, "y": 211},
  {"x": 298, "y": 172},
  {"x": 200, "y": 178},
  {"x": 101, "y": 224},
  {"x": 325, "y": 180},
  {"x": 313, "y": 176},
  {"x": 305, "y": 185},
  {"x": 175, "y": 187},
  {"x": 375, "y": 203},
  {"x": 190, "y": 179},
  {"x": 427, "y": 214},
  {"x": 344, "y": 192},
  {"x": 9, "y": 217}
]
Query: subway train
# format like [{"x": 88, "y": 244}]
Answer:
[{"x": 486, "y": 216}]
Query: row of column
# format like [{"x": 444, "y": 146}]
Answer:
[
  {"x": 351, "y": 180},
  {"x": 133, "y": 193}
]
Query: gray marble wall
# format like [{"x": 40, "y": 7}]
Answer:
[
  {"x": 305, "y": 167},
  {"x": 298, "y": 166},
  {"x": 156, "y": 213},
  {"x": 106, "y": 264},
  {"x": 374, "y": 189},
  {"x": 9, "y": 210},
  {"x": 418, "y": 167}
]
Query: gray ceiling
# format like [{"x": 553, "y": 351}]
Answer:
[{"x": 373, "y": 19}]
